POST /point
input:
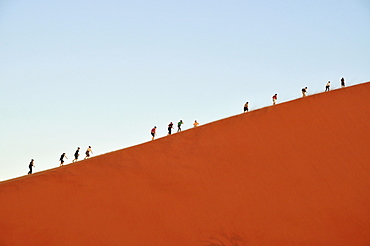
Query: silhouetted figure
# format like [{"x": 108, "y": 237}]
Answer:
[
  {"x": 304, "y": 92},
  {"x": 30, "y": 166},
  {"x": 327, "y": 87},
  {"x": 342, "y": 84},
  {"x": 77, "y": 154},
  {"x": 153, "y": 132},
  {"x": 170, "y": 127},
  {"x": 195, "y": 124},
  {"x": 62, "y": 159},
  {"x": 87, "y": 153},
  {"x": 274, "y": 99},
  {"x": 179, "y": 126},
  {"x": 246, "y": 107}
]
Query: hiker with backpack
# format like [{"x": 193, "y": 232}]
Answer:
[
  {"x": 153, "y": 132},
  {"x": 87, "y": 153},
  {"x": 274, "y": 99},
  {"x": 304, "y": 92}
]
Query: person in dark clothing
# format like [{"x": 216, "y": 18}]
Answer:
[
  {"x": 170, "y": 127},
  {"x": 342, "y": 83},
  {"x": 77, "y": 154},
  {"x": 61, "y": 158},
  {"x": 30, "y": 166}
]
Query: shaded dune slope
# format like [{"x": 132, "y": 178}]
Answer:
[{"x": 297, "y": 173}]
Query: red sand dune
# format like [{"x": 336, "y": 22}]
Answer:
[{"x": 297, "y": 173}]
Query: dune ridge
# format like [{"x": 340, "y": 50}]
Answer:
[{"x": 295, "y": 173}]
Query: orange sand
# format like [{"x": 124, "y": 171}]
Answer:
[{"x": 296, "y": 173}]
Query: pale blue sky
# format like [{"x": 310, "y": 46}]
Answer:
[{"x": 103, "y": 73}]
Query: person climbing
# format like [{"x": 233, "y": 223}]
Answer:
[
  {"x": 179, "y": 126},
  {"x": 246, "y": 107},
  {"x": 195, "y": 124},
  {"x": 342, "y": 82},
  {"x": 87, "y": 153},
  {"x": 62, "y": 159},
  {"x": 304, "y": 92},
  {"x": 153, "y": 132},
  {"x": 30, "y": 166},
  {"x": 77, "y": 154},
  {"x": 170, "y": 127},
  {"x": 274, "y": 99},
  {"x": 327, "y": 87}
]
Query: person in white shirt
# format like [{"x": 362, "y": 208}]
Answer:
[{"x": 304, "y": 92}]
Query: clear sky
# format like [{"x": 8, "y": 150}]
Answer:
[{"x": 103, "y": 73}]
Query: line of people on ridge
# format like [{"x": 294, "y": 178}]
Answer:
[
  {"x": 153, "y": 132},
  {"x": 304, "y": 93},
  {"x": 61, "y": 159}
]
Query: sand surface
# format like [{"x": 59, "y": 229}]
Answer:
[{"x": 296, "y": 173}]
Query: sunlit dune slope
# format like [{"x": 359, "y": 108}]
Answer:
[{"x": 296, "y": 173}]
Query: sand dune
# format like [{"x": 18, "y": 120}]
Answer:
[{"x": 297, "y": 173}]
